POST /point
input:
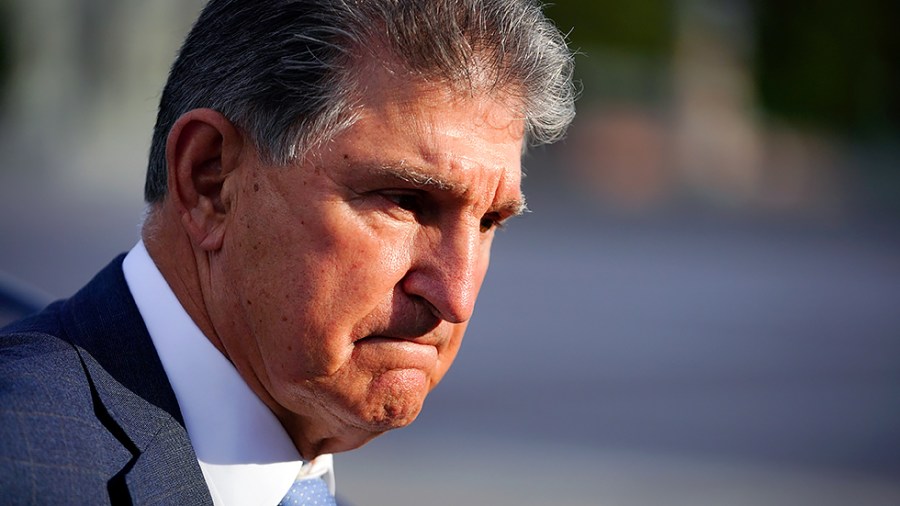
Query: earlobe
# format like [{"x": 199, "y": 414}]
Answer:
[{"x": 202, "y": 151}]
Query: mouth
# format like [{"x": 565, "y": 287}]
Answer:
[
  {"x": 383, "y": 339},
  {"x": 420, "y": 333},
  {"x": 389, "y": 352}
]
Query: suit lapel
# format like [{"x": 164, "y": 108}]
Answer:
[{"x": 133, "y": 397}]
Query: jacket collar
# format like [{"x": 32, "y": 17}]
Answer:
[{"x": 130, "y": 384}]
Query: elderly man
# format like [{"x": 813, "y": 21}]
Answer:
[{"x": 324, "y": 184}]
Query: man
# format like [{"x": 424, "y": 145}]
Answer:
[{"x": 324, "y": 183}]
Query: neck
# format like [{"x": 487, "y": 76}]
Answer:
[{"x": 182, "y": 266}]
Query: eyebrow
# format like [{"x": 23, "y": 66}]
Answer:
[{"x": 512, "y": 207}]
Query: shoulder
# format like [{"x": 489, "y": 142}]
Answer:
[
  {"x": 39, "y": 370},
  {"x": 48, "y": 425}
]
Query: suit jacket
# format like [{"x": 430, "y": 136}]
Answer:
[{"x": 87, "y": 415}]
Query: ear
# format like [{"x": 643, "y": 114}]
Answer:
[{"x": 202, "y": 150}]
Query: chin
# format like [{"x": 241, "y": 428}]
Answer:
[
  {"x": 390, "y": 416},
  {"x": 394, "y": 400}
]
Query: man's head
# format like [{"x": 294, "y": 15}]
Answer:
[{"x": 326, "y": 178}]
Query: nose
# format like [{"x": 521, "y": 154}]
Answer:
[{"x": 447, "y": 271}]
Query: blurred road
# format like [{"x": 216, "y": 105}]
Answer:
[{"x": 684, "y": 359}]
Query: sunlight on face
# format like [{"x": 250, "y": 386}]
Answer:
[{"x": 352, "y": 275}]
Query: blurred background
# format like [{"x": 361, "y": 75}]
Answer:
[{"x": 703, "y": 307}]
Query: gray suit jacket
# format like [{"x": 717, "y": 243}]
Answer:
[{"x": 87, "y": 415}]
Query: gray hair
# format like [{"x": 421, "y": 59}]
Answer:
[{"x": 283, "y": 70}]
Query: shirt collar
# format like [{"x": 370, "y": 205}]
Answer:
[{"x": 244, "y": 452}]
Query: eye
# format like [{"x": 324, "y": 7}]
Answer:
[
  {"x": 489, "y": 222},
  {"x": 403, "y": 204},
  {"x": 410, "y": 202}
]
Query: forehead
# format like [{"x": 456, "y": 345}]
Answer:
[{"x": 429, "y": 131}]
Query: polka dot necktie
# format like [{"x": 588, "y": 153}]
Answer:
[{"x": 309, "y": 492}]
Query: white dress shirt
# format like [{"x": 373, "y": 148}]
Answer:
[{"x": 245, "y": 454}]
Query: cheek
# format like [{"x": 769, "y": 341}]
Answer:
[
  {"x": 367, "y": 260},
  {"x": 321, "y": 296}
]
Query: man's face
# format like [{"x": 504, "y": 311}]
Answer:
[{"x": 346, "y": 281}]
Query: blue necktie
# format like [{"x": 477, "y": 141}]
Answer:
[{"x": 309, "y": 492}]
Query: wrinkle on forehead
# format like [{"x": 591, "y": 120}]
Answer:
[{"x": 495, "y": 113}]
